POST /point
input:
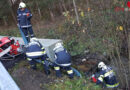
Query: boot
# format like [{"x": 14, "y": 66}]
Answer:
[
  {"x": 47, "y": 72},
  {"x": 58, "y": 73},
  {"x": 33, "y": 67},
  {"x": 46, "y": 69}
]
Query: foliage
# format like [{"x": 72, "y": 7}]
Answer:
[
  {"x": 94, "y": 32},
  {"x": 74, "y": 84},
  {"x": 74, "y": 47},
  {"x": 51, "y": 34},
  {"x": 4, "y": 8}
]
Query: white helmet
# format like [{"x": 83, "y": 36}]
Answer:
[
  {"x": 101, "y": 65},
  {"x": 22, "y": 5},
  {"x": 58, "y": 45},
  {"x": 33, "y": 39}
]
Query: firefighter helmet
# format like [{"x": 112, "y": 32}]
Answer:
[
  {"x": 33, "y": 39},
  {"x": 58, "y": 45},
  {"x": 22, "y": 5},
  {"x": 101, "y": 65}
]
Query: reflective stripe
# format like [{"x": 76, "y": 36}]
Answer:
[
  {"x": 44, "y": 52},
  {"x": 26, "y": 26},
  {"x": 35, "y": 53},
  {"x": 57, "y": 68},
  {"x": 65, "y": 64},
  {"x": 42, "y": 48},
  {"x": 24, "y": 13},
  {"x": 32, "y": 35},
  {"x": 108, "y": 73},
  {"x": 27, "y": 36},
  {"x": 112, "y": 86},
  {"x": 19, "y": 15},
  {"x": 101, "y": 78},
  {"x": 70, "y": 71},
  {"x": 43, "y": 62},
  {"x": 29, "y": 59}
]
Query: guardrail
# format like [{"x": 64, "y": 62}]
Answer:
[{"x": 6, "y": 81}]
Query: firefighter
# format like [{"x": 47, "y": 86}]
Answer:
[
  {"x": 62, "y": 60},
  {"x": 35, "y": 51},
  {"x": 24, "y": 20},
  {"x": 106, "y": 76}
]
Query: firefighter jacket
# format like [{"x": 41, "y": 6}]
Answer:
[
  {"x": 24, "y": 18},
  {"x": 107, "y": 76},
  {"x": 35, "y": 50},
  {"x": 62, "y": 57}
]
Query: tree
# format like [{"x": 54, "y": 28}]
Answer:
[
  {"x": 76, "y": 12},
  {"x": 11, "y": 3}
]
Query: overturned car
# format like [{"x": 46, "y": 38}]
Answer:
[{"x": 9, "y": 48}]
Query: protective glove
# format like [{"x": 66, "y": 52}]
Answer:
[
  {"x": 93, "y": 78},
  {"x": 28, "y": 14}
]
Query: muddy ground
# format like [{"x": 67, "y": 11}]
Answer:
[{"x": 28, "y": 79}]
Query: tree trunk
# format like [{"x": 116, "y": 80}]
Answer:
[
  {"x": 129, "y": 45},
  {"x": 128, "y": 40},
  {"x": 63, "y": 4},
  {"x": 51, "y": 14},
  {"x": 12, "y": 12},
  {"x": 76, "y": 12},
  {"x": 5, "y": 21},
  {"x": 14, "y": 17},
  {"x": 39, "y": 11},
  {"x": 61, "y": 8},
  {"x": 69, "y": 4}
]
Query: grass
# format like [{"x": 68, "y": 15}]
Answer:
[
  {"x": 19, "y": 65},
  {"x": 73, "y": 84},
  {"x": 10, "y": 32},
  {"x": 63, "y": 83}
]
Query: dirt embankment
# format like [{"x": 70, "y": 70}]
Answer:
[{"x": 28, "y": 79}]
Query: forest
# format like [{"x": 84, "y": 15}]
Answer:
[{"x": 91, "y": 30}]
